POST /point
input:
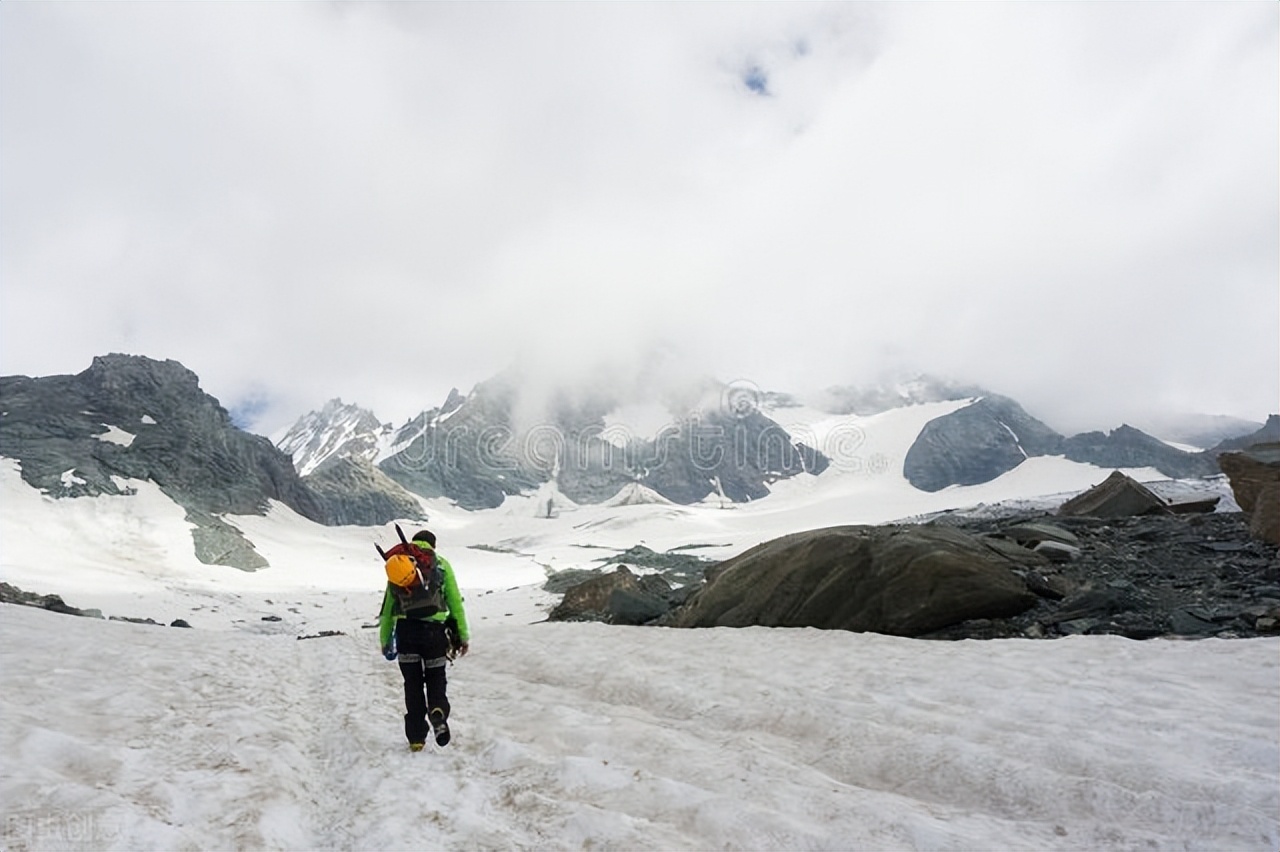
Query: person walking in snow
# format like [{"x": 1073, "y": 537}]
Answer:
[{"x": 424, "y": 626}]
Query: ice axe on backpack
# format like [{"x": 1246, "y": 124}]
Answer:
[
  {"x": 403, "y": 541},
  {"x": 402, "y": 565}
]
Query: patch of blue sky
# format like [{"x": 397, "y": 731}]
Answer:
[
  {"x": 246, "y": 411},
  {"x": 755, "y": 79}
]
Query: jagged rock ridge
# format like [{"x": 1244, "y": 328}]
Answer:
[
  {"x": 129, "y": 417},
  {"x": 993, "y": 435},
  {"x": 336, "y": 430},
  {"x": 134, "y": 418},
  {"x": 481, "y": 449}
]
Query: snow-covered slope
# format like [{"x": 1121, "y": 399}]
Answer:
[
  {"x": 572, "y": 736},
  {"x": 142, "y": 546},
  {"x": 236, "y": 734}
]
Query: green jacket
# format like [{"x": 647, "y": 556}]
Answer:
[{"x": 452, "y": 606}]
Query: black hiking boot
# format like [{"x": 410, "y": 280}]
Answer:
[{"x": 441, "y": 727}]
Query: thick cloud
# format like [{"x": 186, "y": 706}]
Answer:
[{"x": 1075, "y": 204}]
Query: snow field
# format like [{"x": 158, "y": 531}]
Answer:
[{"x": 569, "y": 736}]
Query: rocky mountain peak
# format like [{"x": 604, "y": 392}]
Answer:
[
  {"x": 133, "y": 372},
  {"x": 452, "y": 402},
  {"x": 1268, "y": 434},
  {"x": 336, "y": 430},
  {"x": 134, "y": 418},
  {"x": 511, "y": 434}
]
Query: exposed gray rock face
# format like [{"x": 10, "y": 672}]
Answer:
[
  {"x": 1268, "y": 434},
  {"x": 334, "y": 449},
  {"x": 594, "y": 471},
  {"x": 1129, "y": 447},
  {"x": 976, "y": 444},
  {"x": 219, "y": 543},
  {"x": 480, "y": 450},
  {"x": 587, "y": 468},
  {"x": 736, "y": 454},
  {"x": 471, "y": 453},
  {"x": 129, "y": 417},
  {"x": 620, "y": 597},
  {"x": 1141, "y": 577},
  {"x": 351, "y": 490},
  {"x": 617, "y": 598},
  {"x": 1198, "y": 430},
  {"x": 54, "y": 603},
  {"x": 133, "y": 417},
  {"x": 892, "y": 579},
  {"x": 994, "y": 435}
]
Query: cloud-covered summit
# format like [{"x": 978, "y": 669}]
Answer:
[{"x": 1074, "y": 203}]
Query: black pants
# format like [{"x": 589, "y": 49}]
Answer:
[{"x": 425, "y": 643}]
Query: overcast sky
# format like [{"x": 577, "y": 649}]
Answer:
[{"x": 1075, "y": 204}]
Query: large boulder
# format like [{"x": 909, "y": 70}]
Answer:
[
  {"x": 618, "y": 598},
  {"x": 1117, "y": 496},
  {"x": 1255, "y": 480},
  {"x": 899, "y": 580}
]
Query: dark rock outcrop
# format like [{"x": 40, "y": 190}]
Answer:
[
  {"x": 735, "y": 454},
  {"x": 1255, "y": 481},
  {"x": 622, "y": 596},
  {"x": 593, "y": 470},
  {"x": 472, "y": 453},
  {"x": 219, "y": 543},
  {"x": 900, "y": 580},
  {"x": 1141, "y": 577},
  {"x": 490, "y": 445},
  {"x": 976, "y": 444},
  {"x": 134, "y": 418},
  {"x": 54, "y": 603},
  {"x": 994, "y": 435},
  {"x": 677, "y": 568},
  {"x": 1200, "y": 430},
  {"x": 1132, "y": 448},
  {"x": 617, "y": 598},
  {"x": 1268, "y": 434}
]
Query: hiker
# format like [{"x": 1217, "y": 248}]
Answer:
[{"x": 424, "y": 625}]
